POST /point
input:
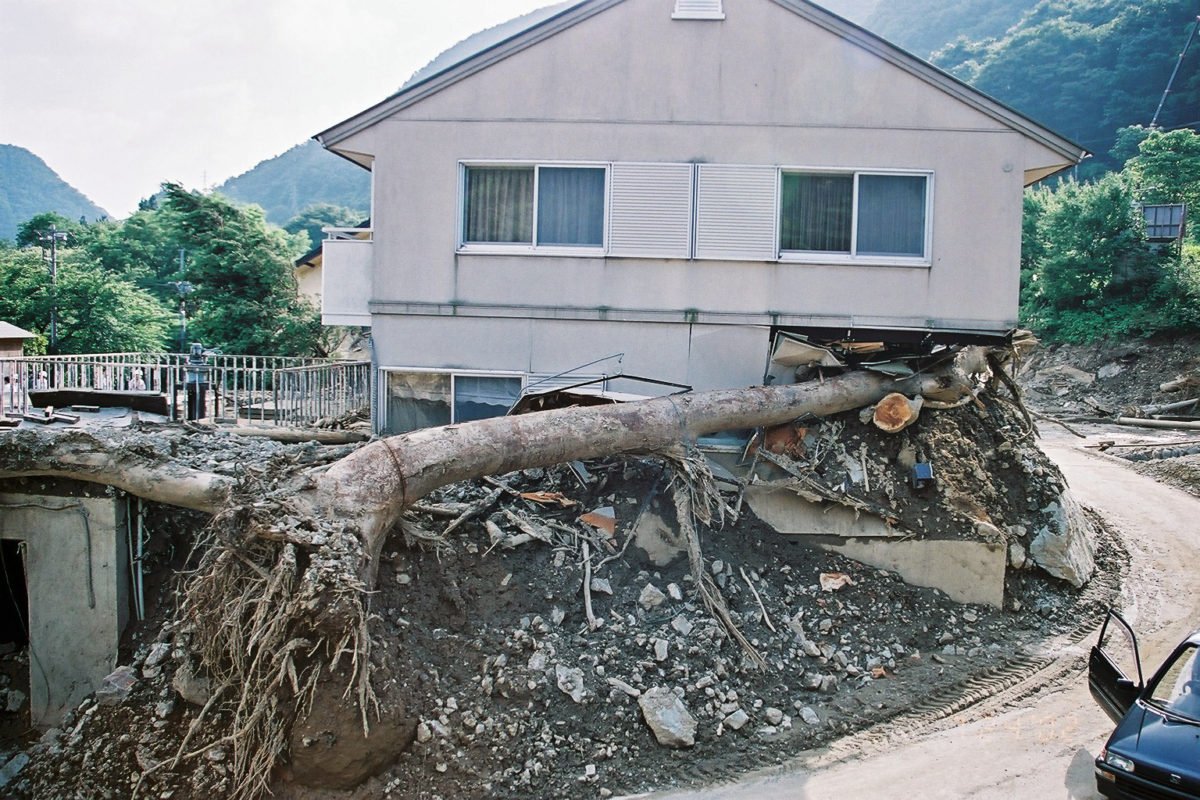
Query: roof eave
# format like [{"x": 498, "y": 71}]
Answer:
[
  {"x": 941, "y": 79},
  {"x": 477, "y": 62},
  {"x": 855, "y": 34}
]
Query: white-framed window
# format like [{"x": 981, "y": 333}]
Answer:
[
  {"x": 525, "y": 207},
  {"x": 423, "y": 398},
  {"x": 863, "y": 216}
]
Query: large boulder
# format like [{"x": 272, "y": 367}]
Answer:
[{"x": 1063, "y": 546}]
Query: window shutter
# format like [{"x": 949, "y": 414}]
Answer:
[
  {"x": 651, "y": 210},
  {"x": 736, "y": 212},
  {"x": 698, "y": 9}
]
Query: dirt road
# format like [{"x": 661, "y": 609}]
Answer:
[{"x": 1037, "y": 739}]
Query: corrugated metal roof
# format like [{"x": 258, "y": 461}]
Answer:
[{"x": 10, "y": 331}]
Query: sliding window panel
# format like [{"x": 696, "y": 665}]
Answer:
[
  {"x": 736, "y": 212},
  {"x": 651, "y": 210}
]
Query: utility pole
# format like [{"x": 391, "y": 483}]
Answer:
[
  {"x": 1174, "y": 72},
  {"x": 54, "y": 236}
]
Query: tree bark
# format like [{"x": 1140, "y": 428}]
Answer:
[
  {"x": 81, "y": 456},
  {"x": 371, "y": 487},
  {"x": 374, "y": 484}
]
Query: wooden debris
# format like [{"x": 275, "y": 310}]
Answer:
[
  {"x": 896, "y": 412},
  {"x": 1181, "y": 382},
  {"x": 548, "y": 498},
  {"x": 473, "y": 510},
  {"x": 532, "y": 529},
  {"x": 765, "y": 616},
  {"x": 1150, "y": 411},
  {"x": 1137, "y": 422},
  {"x": 593, "y": 623}
]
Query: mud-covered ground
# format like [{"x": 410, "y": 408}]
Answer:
[
  {"x": 494, "y": 683},
  {"x": 1101, "y": 381}
]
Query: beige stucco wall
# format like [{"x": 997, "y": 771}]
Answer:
[{"x": 764, "y": 86}]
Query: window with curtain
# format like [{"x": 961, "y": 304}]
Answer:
[
  {"x": 853, "y": 214},
  {"x": 499, "y": 207}
]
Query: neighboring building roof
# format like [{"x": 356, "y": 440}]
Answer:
[
  {"x": 313, "y": 257},
  {"x": 485, "y": 48},
  {"x": 10, "y": 331}
]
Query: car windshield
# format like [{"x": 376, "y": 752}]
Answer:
[{"x": 1177, "y": 689}]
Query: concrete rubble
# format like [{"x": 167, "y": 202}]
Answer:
[{"x": 497, "y": 684}]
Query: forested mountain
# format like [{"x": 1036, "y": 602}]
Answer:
[
  {"x": 925, "y": 26},
  {"x": 858, "y": 11},
  {"x": 304, "y": 176},
  {"x": 29, "y": 187},
  {"x": 1086, "y": 68}
]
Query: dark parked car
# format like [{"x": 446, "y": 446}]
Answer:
[{"x": 1154, "y": 753}]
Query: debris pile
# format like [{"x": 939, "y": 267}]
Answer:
[{"x": 594, "y": 629}]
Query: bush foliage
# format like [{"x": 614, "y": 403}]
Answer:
[{"x": 1087, "y": 269}]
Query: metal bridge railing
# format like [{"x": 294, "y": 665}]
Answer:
[{"x": 284, "y": 391}]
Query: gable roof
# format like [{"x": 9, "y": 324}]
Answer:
[
  {"x": 10, "y": 331},
  {"x": 481, "y": 50}
]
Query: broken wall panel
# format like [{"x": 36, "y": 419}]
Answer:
[{"x": 77, "y": 577}]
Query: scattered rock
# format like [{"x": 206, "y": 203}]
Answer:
[
  {"x": 737, "y": 720},
  {"x": 651, "y": 597},
  {"x": 157, "y": 654},
  {"x": 668, "y": 718},
  {"x": 116, "y": 686},
  {"x": 192, "y": 686},
  {"x": 601, "y": 586},
  {"x": 570, "y": 681},
  {"x": 11, "y": 768}
]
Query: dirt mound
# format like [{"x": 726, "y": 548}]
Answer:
[
  {"x": 1112, "y": 378},
  {"x": 487, "y": 662}
]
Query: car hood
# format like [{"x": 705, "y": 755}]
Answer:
[{"x": 1162, "y": 746}]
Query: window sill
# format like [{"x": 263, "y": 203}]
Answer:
[
  {"x": 833, "y": 259},
  {"x": 527, "y": 250}
]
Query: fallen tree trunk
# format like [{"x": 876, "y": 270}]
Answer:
[
  {"x": 262, "y": 612},
  {"x": 374, "y": 484},
  {"x": 80, "y": 456}
]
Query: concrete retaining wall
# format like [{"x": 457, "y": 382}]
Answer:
[{"x": 77, "y": 577}]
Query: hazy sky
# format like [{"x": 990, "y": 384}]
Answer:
[{"x": 117, "y": 97}]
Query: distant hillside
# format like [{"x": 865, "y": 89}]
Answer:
[
  {"x": 925, "y": 26},
  {"x": 857, "y": 11},
  {"x": 28, "y": 187},
  {"x": 1088, "y": 67},
  {"x": 303, "y": 176}
]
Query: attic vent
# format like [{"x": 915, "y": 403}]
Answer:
[{"x": 698, "y": 9}]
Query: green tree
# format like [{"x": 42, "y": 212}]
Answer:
[
  {"x": 97, "y": 313},
  {"x": 1167, "y": 169},
  {"x": 245, "y": 296},
  {"x": 312, "y": 219},
  {"x": 33, "y": 232}
]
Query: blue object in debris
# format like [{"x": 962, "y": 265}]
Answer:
[{"x": 922, "y": 475}]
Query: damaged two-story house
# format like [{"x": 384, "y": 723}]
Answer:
[{"x": 655, "y": 188}]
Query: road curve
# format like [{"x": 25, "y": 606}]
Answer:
[{"x": 1036, "y": 740}]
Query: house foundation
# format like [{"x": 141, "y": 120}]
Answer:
[{"x": 74, "y": 558}]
